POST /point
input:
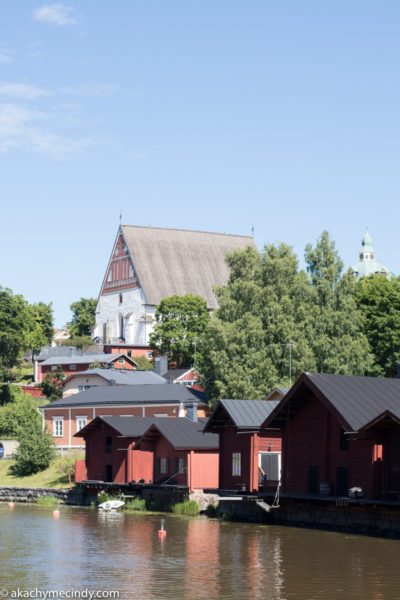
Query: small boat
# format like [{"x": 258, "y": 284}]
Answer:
[{"x": 111, "y": 505}]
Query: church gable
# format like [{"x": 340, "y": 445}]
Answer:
[{"x": 120, "y": 274}]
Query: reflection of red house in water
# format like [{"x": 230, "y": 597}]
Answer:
[
  {"x": 249, "y": 457},
  {"x": 150, "y": 450},
  {"x": 340, "y": 432}
]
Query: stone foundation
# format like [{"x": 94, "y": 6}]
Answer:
[
  {"x": 366, "y": 519},
  {"x": 73, "y": 496}
]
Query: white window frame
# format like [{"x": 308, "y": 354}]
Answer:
[
  {"x": 84, "y": 388},
  {"x": 163, "y": 465},
  {"x": 120, "y": 361},
  {"x": 181, "y": 466},
  {"x": 279, "y": 460},
  {"x": 83, "y": 419},
  {"x": 236, "y": 464},
  {"x": 58, "y": 426},
  {"x": 72, "y": 367}
]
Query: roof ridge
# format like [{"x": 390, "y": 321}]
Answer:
[{"x": 187, "y": 230}]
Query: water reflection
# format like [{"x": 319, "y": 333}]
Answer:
[{"x": 199, "y": 558}]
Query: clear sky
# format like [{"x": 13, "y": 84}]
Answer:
[{"x": 201, "y": 115}]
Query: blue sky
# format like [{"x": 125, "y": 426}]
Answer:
[{"x": 199, "y": 115}]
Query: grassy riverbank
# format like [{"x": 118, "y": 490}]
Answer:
[{"x": 49, "y": 478}]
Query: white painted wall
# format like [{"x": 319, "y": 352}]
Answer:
[
  {"x": 71, "y": 387},
  {"x": 133, "y": 309}
]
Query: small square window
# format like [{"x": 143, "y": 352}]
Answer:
[{"x": 72, "y": 367}]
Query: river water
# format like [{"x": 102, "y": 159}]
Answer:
[{"x": 199, "y": 559}]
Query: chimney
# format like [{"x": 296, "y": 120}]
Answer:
[
  {"x": 161, "y": 365},
  {"x": 181, "y": 412},
  {"x": 191, "y": 412}
]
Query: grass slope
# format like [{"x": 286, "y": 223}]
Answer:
[{"x": 48, "y": 478}]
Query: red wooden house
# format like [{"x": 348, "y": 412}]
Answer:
[
  {"x": 183, "y": 454},
  {"x": 150, "y": 450},
  {"x": 249, "y": 457},
  {"x": 71, "y": 365},
  {"x": 340, "y": 432},
  {"x": 66, "y": 416},
  {"x": 111, "y": 450}
]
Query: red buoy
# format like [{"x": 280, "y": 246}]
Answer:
[
  {"x": 56, "y": 514},
  {"x": 11, "y": 505},
  {"x": 161, "y": 532}
]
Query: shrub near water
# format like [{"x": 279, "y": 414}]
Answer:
[
  {"x": 190, "y": 508},
  {"x": 137, "y": 504},
  {"x": 47, "y": 501}
]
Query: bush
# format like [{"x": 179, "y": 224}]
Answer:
[
  {"x": 47, "y": 501},
  {"x": 52, "y": 384},
  {"x": 65, "y": 465},
  {"x": 34, "y": 453},
  {"x": 19, "y": 416},
  {"x": 136, "y": 505},
  {"x": 189, "y": 508}
]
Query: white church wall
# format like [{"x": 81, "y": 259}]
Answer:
[{"x": 137, "y": 317}]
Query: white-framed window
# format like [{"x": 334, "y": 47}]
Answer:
[
  {"x": 54, "y": 367},
  {"x": 236, "y": 464},
  {"x": 163, "y": 465},
  {"x": 58, "y": 426},
  {"x": 72, "y": 367},
  {"x": 160, "y": 415},
  {"x": 81, "y": 422},
  {"x": 121, "y": 361},
  {"x": 181, "y": 465},
  {"x": 85, "y": 388}
]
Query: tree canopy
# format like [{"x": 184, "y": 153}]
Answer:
[
  {"x": 23, "y": 327},
  {"x": 83, "y": 317},
  {"x": 180, "y": 323},
  {"x": 275, "y": 321},
  {"x": 378, "y": 299}
]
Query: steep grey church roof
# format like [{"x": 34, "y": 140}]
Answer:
[{"x": 177, "y": 261}]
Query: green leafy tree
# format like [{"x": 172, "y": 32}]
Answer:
[
  {"x": 34, "y": 453},
  {"x": 378, "y": 299},
  {"x": 52, "y": 384},
  {"x": 83, "y": 317},
  {"x": 143, "y": 363},
  {"x": 15, "y": 314},
  {"x": 245, "y": 349},
  {"x": 43, "y": 319},
  {"x": 82, "y": 342},
  {"x": 180, "y": 323},
  {"x": 336, "y": 335},
  {"x": 19, "y": 415},
  {"x": 275, "y": 321},
  {"x": 65, "y": 465}
]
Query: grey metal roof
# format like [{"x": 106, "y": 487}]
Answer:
[
  {"x": 177, "y": 261},
  {"x": 182, "y": 433},
  {"x": 81, "y": 360},
  {"x": 122, "y": 376},
  {"x": 126, "y": 426},
  {"x": 357, "y": 401},
  {"x": 127, "y": 395},
  {"x": 245, "y": 414}
]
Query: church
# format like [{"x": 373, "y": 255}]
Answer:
[
  {"x": 148, "y": 264},
  {"x": 367, "y": 264}
]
